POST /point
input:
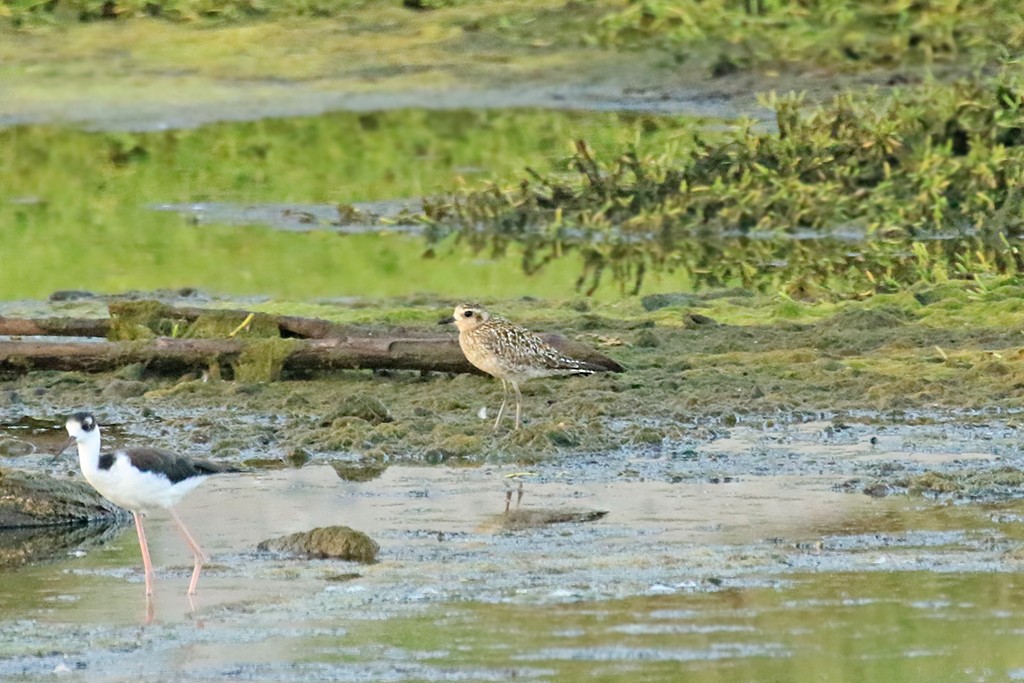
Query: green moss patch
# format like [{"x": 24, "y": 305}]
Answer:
[
  {"x": 985, "y": 484},
  {"x": 262, "y": 360}
]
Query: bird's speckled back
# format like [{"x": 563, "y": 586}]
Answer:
[{"x": 508, "y": 351}]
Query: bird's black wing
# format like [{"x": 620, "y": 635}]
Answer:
[{"x": 173, "y": 466}]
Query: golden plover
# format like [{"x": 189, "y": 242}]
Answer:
[{"x": 512, "y": 353}]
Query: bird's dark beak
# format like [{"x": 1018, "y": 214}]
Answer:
[
  {"x": 67, "y": 445},
  {"x": 446, "y": 321}
]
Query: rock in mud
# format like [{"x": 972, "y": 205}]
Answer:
[
  {"x": 364, "y": 470},
  {"x": 531, "y": 518},
  {"x": 123, "y": 388},
  {"x": 334, "y": 542},
  {"x": 12, "y": 448},
  {"x": 36, "y": 544},
  {"x": 693, "y": 320},
  {"x": 32, "y": 499},
  {"x": 653, "y": 302},
  {"x": 71, "y": 295}
]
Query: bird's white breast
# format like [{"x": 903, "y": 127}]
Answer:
[{"x": 133, "y": 489}]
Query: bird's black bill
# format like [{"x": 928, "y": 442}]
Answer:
[
  {"x": 60, "y": 452},
  {"x": 446, "y": 321}
]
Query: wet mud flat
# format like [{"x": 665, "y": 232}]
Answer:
[
  {"x": 792, "y": 492},
  {"x": 753, "y": 555}
]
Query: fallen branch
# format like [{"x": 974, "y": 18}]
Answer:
[
  {"x": 289, "y": 326},
  {"x": 54, "y": 327},
  {"x": 269, "y": 356}
]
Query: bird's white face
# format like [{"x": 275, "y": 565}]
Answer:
[
  {"x": 82, "y": 427},
  {"x": 469, "y": 316}
]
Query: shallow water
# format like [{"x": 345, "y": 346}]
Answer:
[
  {"x": 296, "y": 99},
  {"x": 760, "y": 578}
]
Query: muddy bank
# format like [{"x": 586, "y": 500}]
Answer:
[
  {"x": 697, "y": 366},
  {"x": 763, "y": 463}
]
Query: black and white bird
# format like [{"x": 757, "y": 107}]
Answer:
[{"x": 139, "y": 480}]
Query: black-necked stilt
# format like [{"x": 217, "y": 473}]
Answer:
[{"x": 140, "y": 479}]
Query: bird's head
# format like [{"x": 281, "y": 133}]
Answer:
[
  {"x": 82, "y": 428},
  {"x": 467, "y": 317}
]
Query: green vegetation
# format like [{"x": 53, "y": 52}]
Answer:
[
  {"x": 927, "y": 181},
  {"x": 727, "y": 34},
  {"x": 133, "y": 69},
  {"x": 844, "y": 34},
  {"x": 696, "y": 364},
  {"x": 22, "y": 12},
  {"x": 77, "y": 206},
  {"x": 867, "y": 193}
]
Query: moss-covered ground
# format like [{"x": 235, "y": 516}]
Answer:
[{"x": 696, "y": 363}]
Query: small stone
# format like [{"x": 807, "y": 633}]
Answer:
[
  {"x": 691, "y": 320},
  {"x": 13, "y": 448},
  {"x": 131, "y": 372},
  {"x": 364, "y": 470},
  {"x": 532, "y": 518},
  {"x": 297, "y": 457},
  {"x": 653, "y": 302},
  {"x": 71, "y": 295},
  {"x": 877, "y": 490},
  {"x": 123, "y": 388}
]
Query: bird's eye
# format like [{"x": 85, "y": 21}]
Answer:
[{"x": 468, "y": 314}]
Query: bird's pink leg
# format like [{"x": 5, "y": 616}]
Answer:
[
  {"x": 147, "y": 566},
  {"x": 196, "y": 551}
]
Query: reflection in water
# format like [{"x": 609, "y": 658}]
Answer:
[
  {"x": 768, "y": 578},
  {"x": 31, "y": 544},
  {"x": 876, "y": 626}
]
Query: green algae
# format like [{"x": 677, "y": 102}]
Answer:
[
  {"x": 262, "y": 360},
  {"x": 147, "y": 318},
  {"x": 984, "y": 484},
  {"x": 216, "y": 324},
  {"x": 360, "y": 406},
  {"x": 134, "y": 320},
  {"x": 884, "y": 353}
]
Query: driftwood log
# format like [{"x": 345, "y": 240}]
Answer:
[
  {"x": 301, "y": 356},
  {"x": 178, "y": 355},
  {"x": 288, "y": 326}
]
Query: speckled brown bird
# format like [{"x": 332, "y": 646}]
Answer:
[{"x": 512, "y": 353}]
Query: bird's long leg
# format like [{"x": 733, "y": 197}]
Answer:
[
  {"x": 519, "y": 404},
  {"x": 196, "y": 551},
  {"x": 504, "y": 399},
  {"x": 147, "y": 566}
]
